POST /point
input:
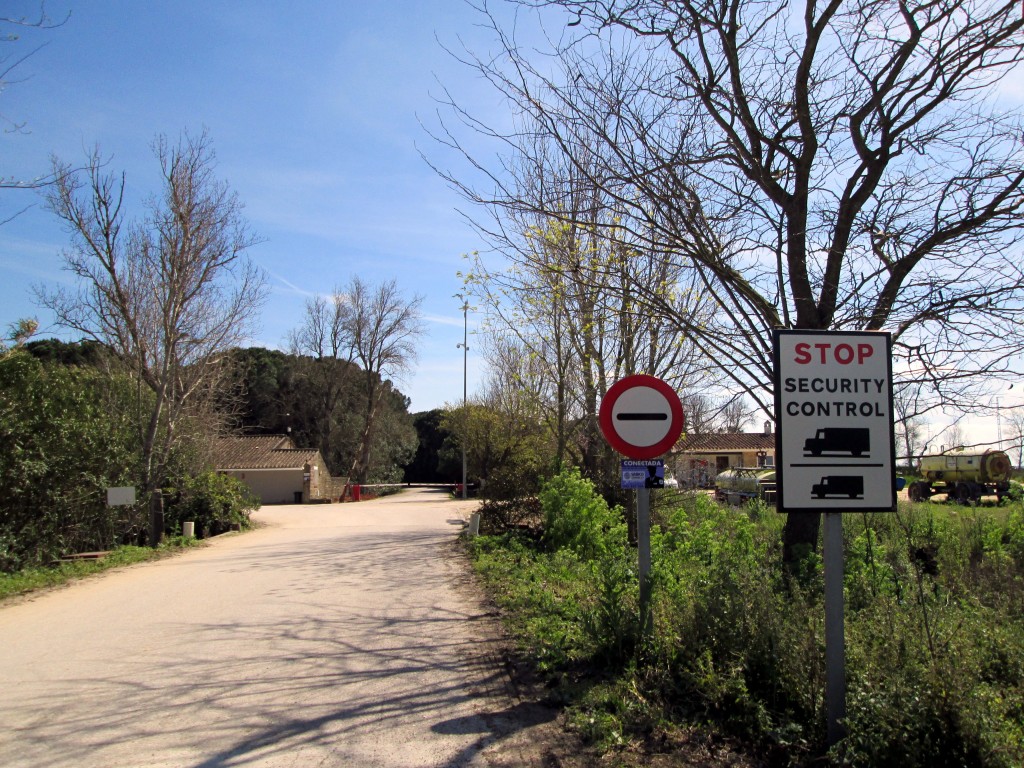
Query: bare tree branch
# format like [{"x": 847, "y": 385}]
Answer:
[{"x": 172, "y": 293}]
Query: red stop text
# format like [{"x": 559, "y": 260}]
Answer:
[{"x": 826, "y": 352}]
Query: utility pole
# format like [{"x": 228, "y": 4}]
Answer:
[{"x": 465, "y": 363}]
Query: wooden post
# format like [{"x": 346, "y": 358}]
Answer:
[{"x": 156, "y": 518}]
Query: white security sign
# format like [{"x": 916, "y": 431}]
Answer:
[{"x": 834, "y": 439}]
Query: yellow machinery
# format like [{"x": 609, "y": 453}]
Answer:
[{"x": 965, "y": 476}]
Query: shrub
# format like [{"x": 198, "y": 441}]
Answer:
[
  {"x": 577, "y": 518},
  {"x": 214, "y": 502},
  {"x": 66, "y": 434},
  {"x": 512, "y": 481},
  {"x": 934, "y": 634},
  {"x": 503, "y": 515}
]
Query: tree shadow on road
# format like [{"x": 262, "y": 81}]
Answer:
[{"x": 353, "y": 667}]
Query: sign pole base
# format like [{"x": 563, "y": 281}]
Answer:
[
  {"x": 643, "y": 540},
  {"x": 835, "y": 638}
]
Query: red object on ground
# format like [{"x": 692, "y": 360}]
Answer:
[{"x": 356, "y": 492}]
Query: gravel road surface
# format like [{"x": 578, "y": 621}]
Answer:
[{"x": 335, "y": 635}]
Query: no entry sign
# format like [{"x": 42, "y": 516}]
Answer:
[{"x": 641, "y": 417}]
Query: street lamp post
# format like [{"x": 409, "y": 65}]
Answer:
[{"x": 465, "y": 362}]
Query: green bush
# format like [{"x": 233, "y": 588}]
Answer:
[
  {"x": 934, "y": 629},
  {"x": 66, "y": 434},
  {"x": 214, "y": 502},
  {"x": 577, "y": 518}
]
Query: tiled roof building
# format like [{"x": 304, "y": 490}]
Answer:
[
  {"x": 700, "y": 457},
  {"x": 260, "y": 452},
  {"x": 274, "y": 469}
]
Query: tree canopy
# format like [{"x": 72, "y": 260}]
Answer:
[{"x": 838, "y": 165}]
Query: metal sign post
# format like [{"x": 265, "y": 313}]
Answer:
[
  {"x": 643, "y": 546},
  {"x": 642, "y": 475},
  {"x": 641, "y": 417},
  {"x": 835, "y": 634},
  {"x": 834, "y": 453}
]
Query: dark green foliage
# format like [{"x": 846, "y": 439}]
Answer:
[
  {"x": 66, "y": 434},
  {"x": 214, "y": 502},
  {"x": 82, "y": 353},
  {"x": 267, "y": 392},
  {"x": 498, "y": 516},
  {"x": 320, "y": 403},
  {"x": 425, "y": 465},
  {"x": 934, "y": 612}
]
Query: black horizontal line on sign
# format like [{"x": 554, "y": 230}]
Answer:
[
  {"x": 826, "y": 466},
  {"x": 641, "y": 416}
]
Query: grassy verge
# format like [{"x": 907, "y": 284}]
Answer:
[
  {"x": 31, "y": 579},
  {"x": 935, "y": 631}
]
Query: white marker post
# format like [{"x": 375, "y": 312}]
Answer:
[{"x": 834, "y": 451}]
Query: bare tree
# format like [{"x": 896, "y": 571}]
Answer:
[
  {"x": 561, "y": 290},
  {"x": 910, "y": 407},
  {"x": 735, "y": 414},
  {"x": 171, "y": 294},
  {"x": 1015, "y": 421},
  {"x": 699, "y": 412},
  {"x": 384, "y": 327},
  {"x": 326, "y": 336},
  {"x": 835, "y": 167},
  {"x": 953, "y": 437},
  {"x": 12, "y": 56}
]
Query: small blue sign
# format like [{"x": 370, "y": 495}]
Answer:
[{"x": 647, "y": 473}]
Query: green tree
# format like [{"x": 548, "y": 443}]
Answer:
[
  {"x": 280, "y": 393},
  {"x": 425, "y": 466},
  {"x": 508, "y": 451},
  {"x": 66, "y": 434},
  {"x": 81, "y": 353}
]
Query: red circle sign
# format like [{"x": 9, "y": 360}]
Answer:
[{"x": 641, "y": 416}]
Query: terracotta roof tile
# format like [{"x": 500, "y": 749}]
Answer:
[
  {"x": 728, "y": 441},
  {"x": 260, "y": 452}
]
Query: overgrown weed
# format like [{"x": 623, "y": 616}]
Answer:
[{"x": 934, "y": 629}]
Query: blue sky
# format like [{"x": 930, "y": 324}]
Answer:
[{"x": 314, "y": 110}]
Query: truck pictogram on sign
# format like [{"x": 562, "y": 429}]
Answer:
[
  {"x": 853, "y": 440},
  {"x": 851, "y": 486}
]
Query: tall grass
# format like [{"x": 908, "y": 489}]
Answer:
[{"x": 934, "y": 629}]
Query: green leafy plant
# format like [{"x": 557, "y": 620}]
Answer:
[
  {"x": 934, "y": 628},
  {"x": 214, "y": 502},
  {"x": 577, "y": 518}
]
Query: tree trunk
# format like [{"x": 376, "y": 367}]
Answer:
[{"x": 799, "y": 537}]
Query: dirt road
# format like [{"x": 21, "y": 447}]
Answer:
[{"x": 341, "y": 635}]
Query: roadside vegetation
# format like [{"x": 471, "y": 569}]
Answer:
[
  {"x": 934, "y": 628},
  {"x": 34, "y": 578},
  {"x": 70, "y": 432}
]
